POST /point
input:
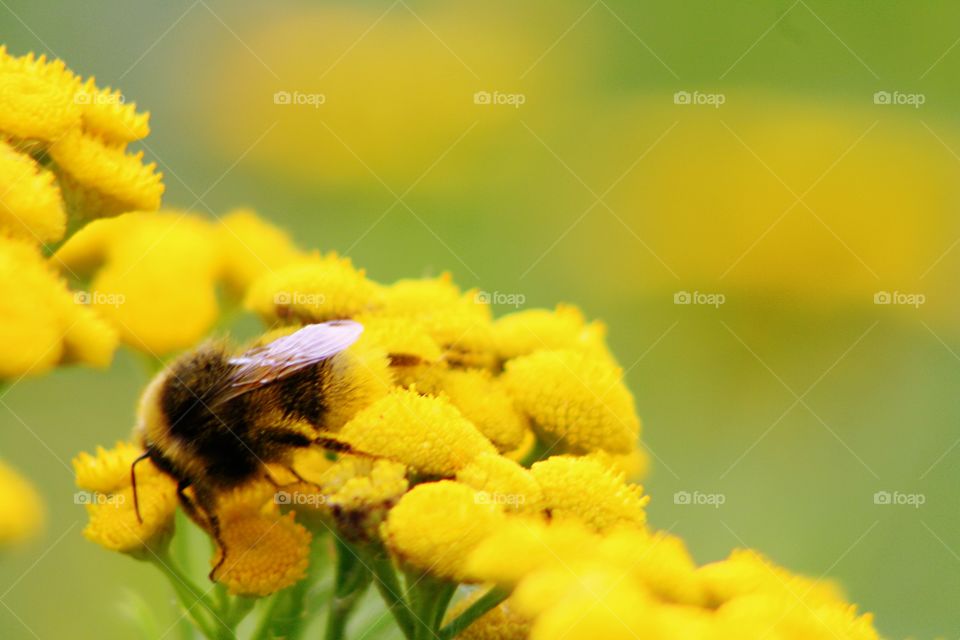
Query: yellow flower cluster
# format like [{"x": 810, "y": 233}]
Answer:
[
  {"x": 63, "y": 150},
  {"x": 155, "y": 276},
  {"x": 21, "y": 513}
]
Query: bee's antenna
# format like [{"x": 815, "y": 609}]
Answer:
[{"x": 133, "y": 481}]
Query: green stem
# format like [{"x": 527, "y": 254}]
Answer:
[
  {"x": 428, "y": 597},
  {"x": 190, "y": 596},
  {"x": 286, "y": 614},
  {"x": 352, "y": 579},
  {"x": 482, "y": 605},
  {"x": 538, "y": 452},
  {"x": 389, "y": 587}
]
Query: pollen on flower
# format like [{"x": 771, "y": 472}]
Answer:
[
  {"x": 36, "y": 97},
  {"x": 584, "y": 489},
  {"x": 106, "y": 113},
  {"x": 461, "y": 323},
  {"x": 314, "y": 289},
  {"x": 484, "y": 401},
  {"x": 576, "y": 398},
  {"x": 435, "y": 525},
  {"x": 426, "y": 433},
  {"x": 265, "y": 553},
  {"x": 107, "y": 470},
  {"x": 415, "y": 357}
]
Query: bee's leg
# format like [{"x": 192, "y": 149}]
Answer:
[
  {"x": 133, "y": 482},
  {"x": 206, "y": 518},
  {"x": 332, "y": 444},
  {"x": 215, "y": 532}
]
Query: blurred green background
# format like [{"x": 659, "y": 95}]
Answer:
[{"x": 799, "y": 198}]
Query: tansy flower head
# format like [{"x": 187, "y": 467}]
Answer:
[
  {"x": 265, "y": 553},
  {"x": 576, "y": 398},
  {"x": 100, "y": 179},
  {"x": 658, "y": 560},
  {"x": 501, "y": 481},
  {"x": 154, "y": 276},
  {"x": 484, "y": 401},
  {"x": 435, "y": 526},
  {"x": 37, "y": 98},
  {"x": 522, "y": 545},
  {"x": 523, "y": 332},
  {"x": 461, "y": 323},
  {"x": 41, "y": 321},
  {"x": 30, "y": 203},
  {"x": 252, "y": 247},
  {"x": 110, "y": 502},
  {"x": 633, "y": 465},
  {"x": 765, "y": 615},
  {"x": 584, "y": 489},
  {"x": 314, "y": 289},
  {"x": 425, "y": 433},
  {"x": 21, "y": 510},
  {"x": 415, "y": 357},
  {"x": 106, "y": 113}
]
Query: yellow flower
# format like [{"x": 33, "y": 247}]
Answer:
[
  {"x": 461, "y": 323},
  {"x": 37, "y": 97},
  {"x": 659, "y": 561},
  {"x": 435, "y": 526},
  {"x": 765, "y": 615},
  {"x": 523, "y": 332},
  {"x": 154, "y": 276},
  {"x": 41, "y": 322},
  {"x": 575, "y": 398},
  {"x": 106, "y": 113},
  {"x": 265, "y": 553},
  {"x": 584, "y": 489},
  {"x": 633, "y": 465},
  {"x": 415, "y": 358},
  {"x": 314, "y": 289},
  {"x": 746, "y": 571},
  {"x": 502, "y": 481},
  {"x": 30, "y": 204},
  {"x": 356, "y": 491},
  {"x": 503, "y": 622},
  {"x": 110, "y": 504},
  {"x": 426, "y": 433},
  {"x": 47, "y": 111},
  {"x": 484, "y": 401},
  {"x": 21, "y": 509},
  {"x": 526, "y": 446},
  {"x": 522, "y": 545},
  {"x": 252, "y": 247},
  {"x": 101, "y": 179}
]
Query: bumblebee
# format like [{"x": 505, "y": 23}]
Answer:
[{"x": 213, "y": 420}]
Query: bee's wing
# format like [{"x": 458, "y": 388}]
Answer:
[{"x": 276, "y": 360}]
